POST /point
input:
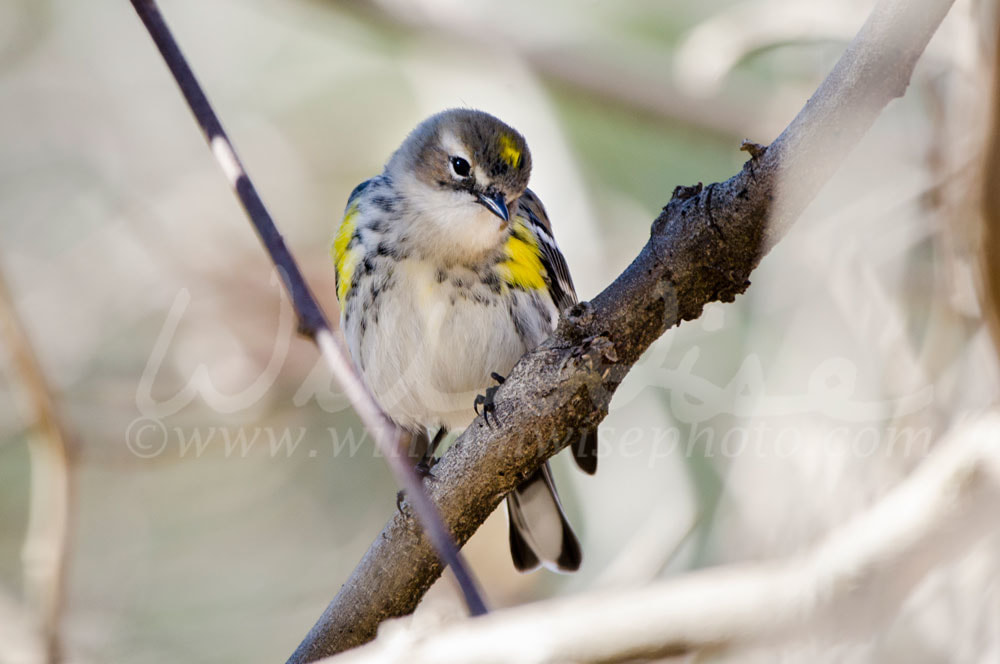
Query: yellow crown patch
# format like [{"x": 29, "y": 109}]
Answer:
[{"x": 509, "y": 151}]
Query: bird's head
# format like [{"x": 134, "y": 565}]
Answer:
[{"x": 461, "y": 172}]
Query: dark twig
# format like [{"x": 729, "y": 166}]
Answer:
[
  {"x": 685, "y": 265},
  {"x": 312, "y": 322}
]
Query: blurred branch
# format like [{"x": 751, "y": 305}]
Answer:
[
  {"x": 863, "y": 570},
  {"x": 20, "y": 640},
  {"x": 702, "y": 248},
  {"x": 46, "y": 543},
  {"x": 312, "y": 322},
  {"x": 732, "y": 112},
  {"x": 990, "y": 251},
  {"x": 724, "y": 111},
  {"x": 713, "y": 49},
  {"x": 644, "y": 556}
]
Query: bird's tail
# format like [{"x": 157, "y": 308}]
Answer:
[{"x": 539, "y": 531}]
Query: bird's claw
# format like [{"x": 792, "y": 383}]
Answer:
[
  {"x": 424, "y": 466},
  {"x": 488, "y": 401},
  {"x": 423, "y": 471}
]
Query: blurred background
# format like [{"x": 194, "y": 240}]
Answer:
[{"x": 219, "y": 490}]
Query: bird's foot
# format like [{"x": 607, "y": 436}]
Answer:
[
  {"x": 424, "y": 466},
  {"x": 488, "y": 401},
  {"x": 423, "y": 471}
]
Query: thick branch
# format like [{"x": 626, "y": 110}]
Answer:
[
  {"x": 858, "y": 575},
  {"x": 702, "y": 248}
]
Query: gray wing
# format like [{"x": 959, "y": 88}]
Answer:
[
  {"x": 564, "y": 295},
  {"x": 357, "y": 191},
  {"x": 559, "y": 281}
]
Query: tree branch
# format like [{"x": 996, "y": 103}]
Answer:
[
  {"x": 702, "y": 248},
  {"x": 859, "y": 574}
]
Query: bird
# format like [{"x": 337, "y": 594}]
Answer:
[{"x": 447, "y": 272}]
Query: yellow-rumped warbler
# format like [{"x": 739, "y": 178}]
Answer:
[{"x": 447, "y": 272}]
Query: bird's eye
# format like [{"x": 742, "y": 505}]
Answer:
[{"x": 461, "y": 167}]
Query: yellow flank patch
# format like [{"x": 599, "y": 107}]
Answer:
[
  {"x": 509, "y": 151},
  {"x": 523, "y": 267},
  {"x": 344, "y": 260}
]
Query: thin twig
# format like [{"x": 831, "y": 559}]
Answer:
[
  {"x": 46, "y": 544},
  {"x": 312, "y": 322}
]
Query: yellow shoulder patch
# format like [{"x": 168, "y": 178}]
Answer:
[
  {"x": 344, "y": 260},
  {"x": 523, "y": 267},
  {"x": 509, "y": 151}
]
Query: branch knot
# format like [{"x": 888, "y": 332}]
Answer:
[
  {"x": 684, "y": 192},
  {"x": 755, "y": 150}
]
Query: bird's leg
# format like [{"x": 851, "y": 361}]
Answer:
[
  {"x": 487, "y": 401},
  {"x": 427, "y": 461}
]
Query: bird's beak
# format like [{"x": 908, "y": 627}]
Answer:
[{"x": 496, "y": 204}]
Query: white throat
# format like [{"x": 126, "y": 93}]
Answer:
[{"x": 448, "y": 224}]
